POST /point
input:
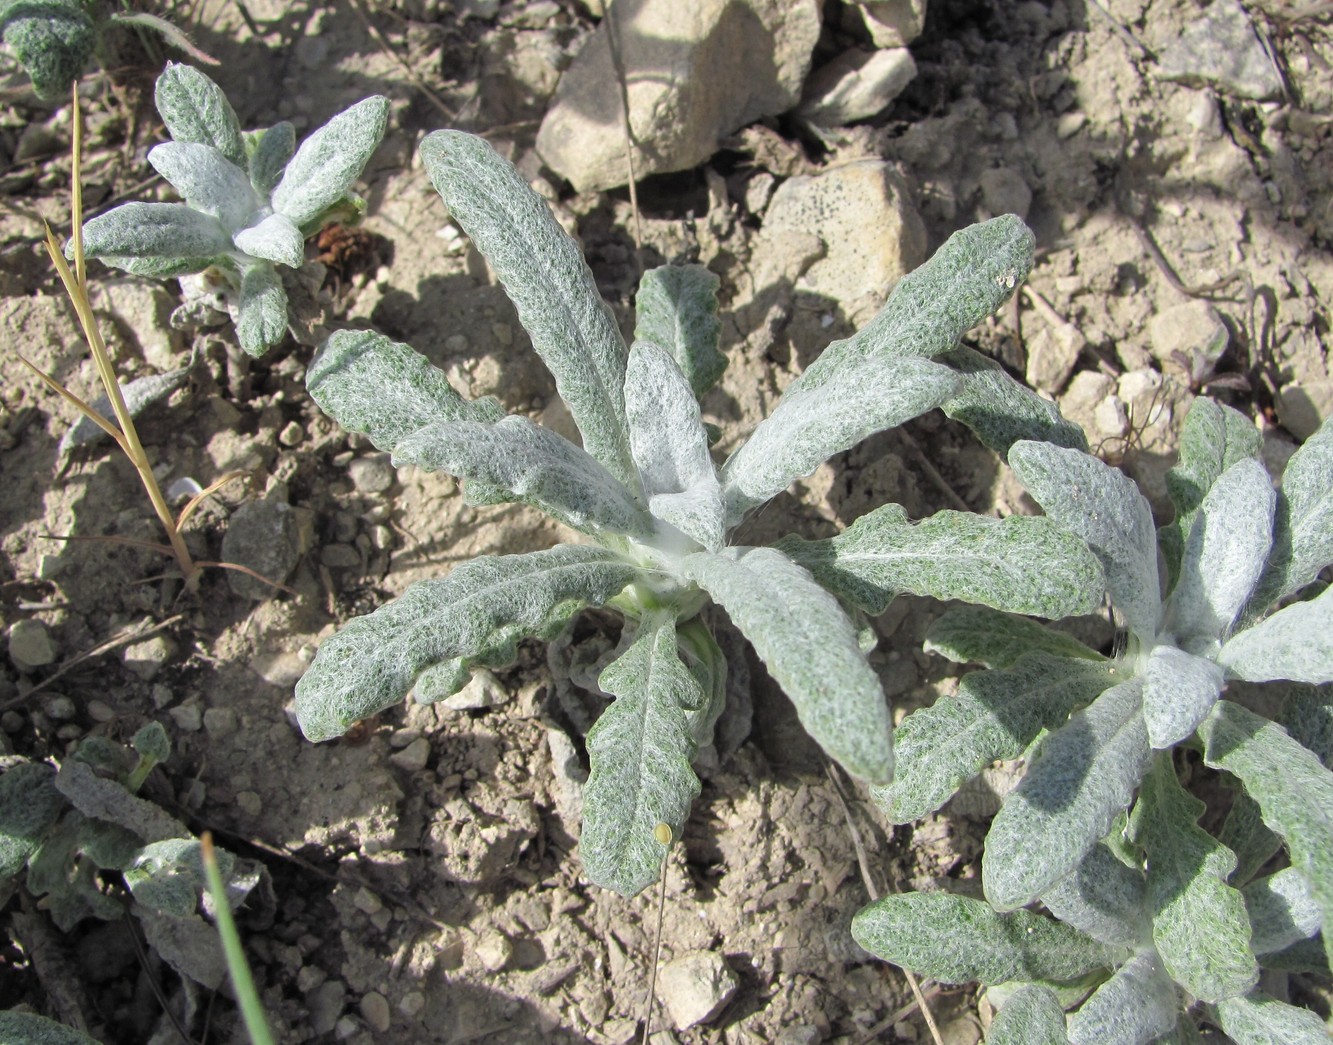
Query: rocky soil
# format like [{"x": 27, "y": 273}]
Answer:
[{"x": 1174, "y": 158}]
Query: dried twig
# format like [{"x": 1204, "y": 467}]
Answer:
[{"x": 868, "y": 880}]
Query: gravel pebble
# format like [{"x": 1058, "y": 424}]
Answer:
[
  {"x": 371, "y": 474},
  {"x": 375, "y": 1011},
  {"x": 30, "y": 645},
  {"x": 188, "y": 717},
  {"x": 58, "y": 708},
  {"x": 695, "y": 987},
  {"x": 413, "y": 757},
  {"x": 101, "y": 711},
  {"x": 148, "y": 657},
  {"x": 326, "y": 1005}
]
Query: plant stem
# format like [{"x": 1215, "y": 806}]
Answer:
[{"x": 76, "y": 285}]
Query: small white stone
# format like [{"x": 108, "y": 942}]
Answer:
[
  {"x": 58, "y": 708},
  {"x": 188, "y": 717},
  {"x": 494, "y": 951},
  {"x": 366, "y": 901},
  {"x": 220, "y": 722},
  {"x": 412, "y": 758},
  {"x": 148, "y": 657},
  {"x": 412, "y": 1003},
  {"x": 695, "y": 987},
  {"x": 375, "y": 1011},
  {"x": 30, "y": 645}
]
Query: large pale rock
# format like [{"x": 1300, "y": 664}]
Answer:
[
  {"x": 893, "y": 23},
  {"x": 695, "y": 71},
  {"x": 857, "y": 85},
  {"x": 862, "y": 216}
]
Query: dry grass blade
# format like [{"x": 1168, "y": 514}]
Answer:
[
  {"x": 76, "y": 286},
  {"x": 863, "y": 863},
  {"x": 81, "y": 405},
  {"x": 194, "y": 502}
]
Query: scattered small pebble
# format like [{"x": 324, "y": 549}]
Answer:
[
  {"x": 339, "y": 556},
  {"x": 250, "y": 802},
  {"x": 58, "y": 708},
  {"x": 695, "y": 987},
  {"x": 375, "y": 1011},
  {"x": 326, "y": 1005},
  {"x": 11, "y": 721},
  {"x": 371, "y": 474},
  {"x": 162, "y": 695},
  {"x": 30, "y": 645},
  {"x": 482, "y": 691},
  {"x": 412, "y": 1003},
  {"x": 292, "y": 434},
  {"x": 100, "y": 711},
  {"x": 188, "y": 717},
  {"x": 149, "y": 657},
  {"x": 412, "y": 758},
  {"x": 220, "y": 722},
  {"x": 366, "y": 901},
  {"x": 310, "y": 977},
  {"x": 494, "y": 951}
]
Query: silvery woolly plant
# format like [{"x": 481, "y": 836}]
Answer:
[
  {"x": 67, "y": 834},
  {"x": 657, "y": 513},
  {"x": 1162, "y": 922},
  {"x": 251, "y": 200}
]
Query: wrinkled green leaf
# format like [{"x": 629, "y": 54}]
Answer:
[
  {"x": 111, "y": 802},
  {"x": 1282, "y": 911},
  {"x": 25, "y": 1028},
  {"x": 1303, "y": 522},
  {"x": 1294, "y": 643},
  {"x": 1245, "y": 834},
  {"x": 1307, "y": 714},
  {"x": 1178, "y": 690},
  {"x": 1079, "y": 779},
  {"x": 1105, "y": 508},
  {"x": 670, "y": 446},
  {"x": 261, "y": 309},
  {"x": 207, "y": 180},
  {"x": 1133, "y": 1007},
  {"x": 809, "y": 647},
  {"x": 995, "y": 715},
  {"x": 138, "y": 395},
  {"x": 640, "y": 751},
  {"x": 167, "y": 232},
  {"x": 1294, "y": 791},
  {"x": 168, "y": 876},
  {"x": 1022, "y": 564},
  {"x": 1224, "y": 553},
  {"x": 274, "y": 239},
  {"x": 1002, "y": 411},
  {"x": 1258, "y": 1019},
  {"x": 930, "y": 309},
  {"x": 1033, "y": 1016},
  {"x": 517, "y": 460},
  {"x": 548, "y": 281},
  {"x": 479, "y": 610},
  {"x": 1213, "y": 438},
  {"x": 1305, "y": 956},
  {"x": 955, "y": 939},
  {"x": 676, "y": 307},
  {"x": 981, "y": 635},
  {"x": 815, "y": 420},
  {"x": 385, "y": 390},
  {"x": 329, "y": 160},
  {"x": 1103, "y": 898},
  {"x": 1200, "y": 924},
  {"x": 195, "y": 110},
  {"x": 271, "y": 153},
  {"x": 53, "y": 39},
  {"x": 29, "y": 806}
]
